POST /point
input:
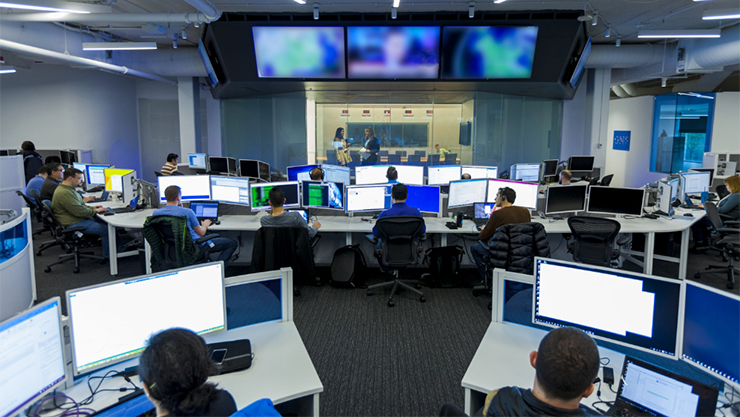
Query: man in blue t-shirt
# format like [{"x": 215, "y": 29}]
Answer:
[
  {"x": 197, "y": 230},
  {"x": 399, "y": 193},
  {"x": 36, "y": 182}
]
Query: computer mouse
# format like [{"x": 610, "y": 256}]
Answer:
[
  {"x": 688, "y": 215},
  {"x": 108, "y": 213}
]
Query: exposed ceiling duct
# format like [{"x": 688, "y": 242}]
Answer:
[{"x": 197, "y": 17}]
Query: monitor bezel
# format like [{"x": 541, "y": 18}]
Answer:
[
  {"x": 681, "y": 301},
  {"x": 642, "y": 206},
  {"x": 439, "y": 195},
  {"x": 287, "y": 170},
  {"x": 306, "y": 207},
  {"x": 68, "y": 294},
  {"x": 349, "y": 172},
  {"x": 547, "y": 199},
  {"x": 346, "y": 199},
  {"x": 241, "y": 164},
  {"x": 462, "y": 168},
  {"x": 459, "y": 167},
  {"x": 88, "y": 185},
  {"x": 226, "y": 160},
  {"x": 205, "y": 157},
  {"x": 275, "y": 184},
  {"x": 593, "y": 162},
  {"x": 182, "y": 198},
  {"x": 534, "y": 184},
  {"x": 449, "y": 206},
  {"x": 539, "y": 166},
  {"x": 249, "y": 186}
]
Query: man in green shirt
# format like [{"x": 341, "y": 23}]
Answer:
[
  {"x": 441, "y": 151},
  {"x": 71, "y": 210}
]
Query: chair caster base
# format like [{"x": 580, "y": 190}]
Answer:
[
  {"x": 423, "y": 299},
  {"x": 369, "y": 293},
  {"x": 76, "y": 271},
  {"x": 391, "y": 303},
  {"x": 697, "y": 276},
  {"x": 47, "y": 269},
  {"x": 730, "y": 286},
  {"x": 417, "y": 286}
]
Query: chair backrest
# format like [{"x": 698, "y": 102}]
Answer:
[
  {"x": 401, "y": 153},
  {"x": 382, "y": 153},
  {"x": 451, "y": 159},
  {"x": 37, "y": 196},
  {"x": 399, "y": 236},
  {"x": 169, "y": 249},
  {"x": 278, "y": 247},
  {"x": 607, "y": 180},
  {"x": 713, "y": 215},
  {"x": 414, "y": 159},
  {"x": 433, "y": 158},
  {"x": 157, "y": 173},
  {"x": 50, "y": 221},
  {"x": 594, "y": 239},
  {"x": 593, "y": 181},
  {"x": 721, "y": 191},
  {"x": 394, "y": 159},
  {"x": 30, "y": 203},
  {"x": 420, "y": 153}
]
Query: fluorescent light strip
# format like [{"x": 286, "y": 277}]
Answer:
[
  {"x": 498, "y": 1},
  {"x": 7, "y": 71},
  {"x": 300, "y": 1},
  {"x": 669, "y": 34},
  {"x": 396, "y": 3},
  {"x": 697, "y": 95},
  {"x": 118, "y": 46},
  {"x": 40, "y": 8},
  {"x": 724, "y": 14}
]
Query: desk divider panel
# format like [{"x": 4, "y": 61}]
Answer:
[
  {"x": 500, "y": 276},
  {"x": 259, "y": 297}
]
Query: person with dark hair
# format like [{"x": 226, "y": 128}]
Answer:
[
  {"x": 465, "y": 176},
  {"x": 504, "y": 213},
  {"x": 371, "y": 145},
  {"x": 38, "y": 181},
  {"x": 278, "y": 217},
  {"x": 566, "y": 364},
  {"x": 32, "y": 161},
  {"x": 565, "y": 177},
  {"x": 392, "y": 175},
  {"x": 441, "y": 151},
  {"x": 343, "y": 156},
  {"x": 170, "y": 167},
  {"x": 52, "y": 159},
  {"x": 316, "y": 174},
  {"x": 174, "y": 369},
  {"x": 399, "y": 194},
  {"x": 71, "y": 211},
  {"x": 50, "y": 184},
  {"x": 197, "y": 230}
]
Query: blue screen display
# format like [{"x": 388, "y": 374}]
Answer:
[
  {"x": 299, "y": 52},
  {"x": 711, "y": 331},
  {"x": 393, "y": 52},
  {"x": 300, "y": 173},
  {"x": 425, "y": 198},
  {"x": 488, "y": 52}
]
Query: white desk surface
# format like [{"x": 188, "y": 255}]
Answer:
[{"x": 281, "y": 369}]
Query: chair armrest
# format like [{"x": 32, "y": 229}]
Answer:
[
  {"x": 725, "y": 217},
  {"x": 423, "y": 237},
  {"x": 728, "y": 230},
  {"x": 206, "y": 238},
  {"x": 71, "y": 230}
]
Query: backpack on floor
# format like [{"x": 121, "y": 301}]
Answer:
[
  {"x": 444, "y": 266},
  {"x": 348, "y": 267}
]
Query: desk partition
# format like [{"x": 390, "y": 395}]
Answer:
[
  {"x": 259, "y": 298},
  {"x": 17, "y": 272}
]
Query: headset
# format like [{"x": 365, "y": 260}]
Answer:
[{"x": 321, "y": 170}]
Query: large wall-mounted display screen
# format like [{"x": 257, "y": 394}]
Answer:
[
  {"x": 488, "y": 52},
  {"x": 393, "y": 52},
  {"x": 299, "y": 52}
]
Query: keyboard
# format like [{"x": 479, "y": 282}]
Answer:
[{"x": 119, "y": 210}]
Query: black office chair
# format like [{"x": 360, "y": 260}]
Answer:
[
  {"x": 420, "y": 153},
  {"x": 394, "y": 159},
  {"x": 433, "y": 160},
  {"x": 725, "y": 240},
  {"x": 593, "y": 181},
  {"x": 278, "y": 247},
  {"x": 451, "y": 159},
  {"x": 157, "y": 173},
  {"x": 593, "y": 240},
  {"x": 172, "y": 244},
  {"x": 35, "y": 210},
  {"x": 721, "y": 191},
  {"x": 49, "y": 224},
  {"x": 400, "y": 248},
  {"x": 607, "y": 180},
  {"x": 401, "y": 153},
  {"x": 414, "y": 160},
  {"x": 70, "y": 238}
]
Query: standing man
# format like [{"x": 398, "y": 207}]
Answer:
[
  {"x": 441, "y": 151},
  {"x": 37, "y": 182},
  {"x": 32, "y": 161},
  {"x": 171, "y": 166}
]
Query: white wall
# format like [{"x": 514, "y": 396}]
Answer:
[
  {"x": 631, "y": 168},
  {"x": 726, "y": 128},
  {"x": 59, "y": 107}
]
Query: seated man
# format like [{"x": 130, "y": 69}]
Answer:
[
  {"x": 399, "y": 194},
  {"x": 37, "y": 182},
  {"x": 392, "y": 175},
  {"x": 56, "y": 172},
  {"x": 566, "y": 364},
  {"x": 316, "y": 174},
  {"x": 441, "y": 151},
  {"x": 280, "y": 218},
  {"x": 170, "y": 167},
  {"x": 565, "y": 177},
  {"x": 71, "y": 211},
  {"x": 197, "y": 230},
  {"x": 504, "y": 213}
]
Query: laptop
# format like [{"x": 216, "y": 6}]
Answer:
[
  {"x": 647, "y": 390},
  {"x": 128, "y": 209},
  {"x": 135, "y": 404},
  {"x": 303, "y": 214},
  {"x": 482, "y": 211},
  {"x": 103, "y": 197},
  {"x": 205, "y": 210}
]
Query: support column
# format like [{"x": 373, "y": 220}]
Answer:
[
  {"x": 213, "y": 111},
  {"x": 599, "y": 89},
  {"x": 188, "y": 99}
]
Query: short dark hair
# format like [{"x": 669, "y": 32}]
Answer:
[
  {"x": 465, "y": 176},
  {"x": 508, "y": 193},
  {"x": 399, "y": 192},
  {"x": 171, "y": 193},
  {"x": 392, "y": 173},
  {"x": 567, "y": 363},
  {"x": 28, "y": 146},
  {"x": 436, "y": 144},
  {"x": 276, "y": 197},
  {"x": 317, "y": 174},
  {"x": 54, "y": 166},
  {"x": 174, "y": 367},
  {"x": 71, "y": 173},
  {"x": 44, "y": 170},
  {"x": 566, "y": 174},
  {"x": 171, "y": 157}
]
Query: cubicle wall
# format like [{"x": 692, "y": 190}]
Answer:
[
  {"x": 17, "y": 273},
  {"x": 259, "y": 297},
  {"x": 11, "y": 171}
]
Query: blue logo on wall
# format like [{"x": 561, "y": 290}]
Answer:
[{"x": 622, "y": 140}]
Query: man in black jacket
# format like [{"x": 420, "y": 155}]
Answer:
[{"x": 32, "y": 161}]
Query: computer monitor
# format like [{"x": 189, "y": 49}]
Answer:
[
  {"x": 107, "y": 327},
  {"x": 192, "y": 187},
  {"x": 328, "y": 195},
  {"x": 442, "y": 175},
  {"x": 249, "y": 168},
  {"x": 711, "y": 331},
  {"x": 113, "y": 181},
  {"x": 205, "y": 209},
  {"x": 261, "y": 191},
  {"x": 218, "y": 164},
  {"x": 32, "y": 351},
  {"x": 525, "y": 172},
  {"x": 129, "y": 187},
  {"x": 675, "y": 184},
  {"x": 372, "y": 174},
  {"x": 626, "y": 308},
  {"x": 197, "y": 160},
  {"x": 548, "y": 168},
  {"x": 565, "y": 199},
  {"x": 467, "y": 192},
  {"x": 665, "y": 198},
  {"x": 67, "y": 157},
  {"x": 477, "y": 172},
  {"x": 301, "y": 172},
  {"x": 482, "y": 211},
  {"x": 368, "y": 198},
  {"x": 709, "y": 170},
  {"x": 231, "y": 162},
  {"x": 234, "y": 190},
  {"x": 693, "y": 182},
  {"x": 581, "y": 164},
  {"x": 410, "y": 174},
  {"x": 80, "y": 166},
  {"x": 264, "y": 168},
  {"x": 335, "y": 173},
  {"x": 526, "y": 193},
  {"x": 95, "y": 175},
  {"x": 615, "y": 200},
  {"x": 424, "y": 197}
]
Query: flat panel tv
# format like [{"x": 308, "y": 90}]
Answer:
[
  {"x": 393, "y": 52},
  {"x": 299, "y": 52}
]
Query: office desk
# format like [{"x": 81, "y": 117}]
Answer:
[
  {"x": 502, "y": 360},
  {"x": 281, "y": 371}
]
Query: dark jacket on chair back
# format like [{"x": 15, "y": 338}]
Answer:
[{"x": 514, "y": 246}]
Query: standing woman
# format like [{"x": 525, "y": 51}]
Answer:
[
  {"x": 371, "y": 145},
  {"x": 343, "y": 155}
]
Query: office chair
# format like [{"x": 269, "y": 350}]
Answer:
[
  {"x": 513, "y": 247},
  {"x": 35, "y": 210},
  {"x": 400, "y": 247},
  {"x": 401, "y": 153},
  {"x": 48, "y": 223},
  {"x": 433, "y": 159},
  {"x": 607, "y": 180},
  {"x": 451, "y": 159},
  {"x": 394, "y": 159},
  {"x": 70, "y": 238},
  {"x": 593, "y": 181},
  {"x": 721, "y": 191},
  {"x": 420, "y": 153},
  {"x": 382, "y": 153},
  {"x": 157, "y": 173},
  {"x": 278, "y": 247},
  {"x": 172, "y": 244},
  {"x": 593, "y": 240},
  {"x": 414, "y": 160},
  {"x": 726, "y": 241}
]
